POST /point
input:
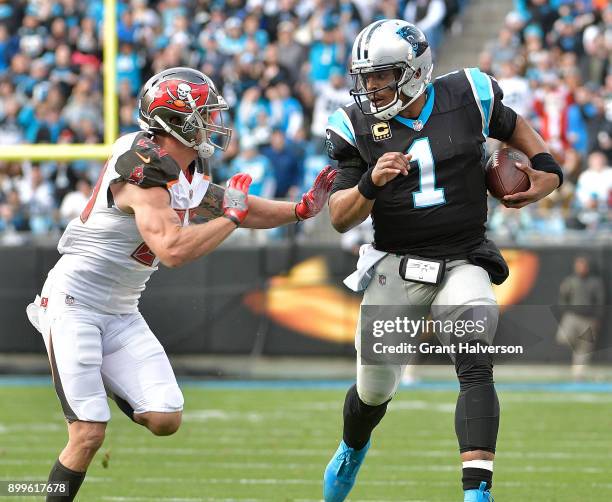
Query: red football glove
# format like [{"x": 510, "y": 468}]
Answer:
[
  {"x": 236, "y": 198},
  {"x": 314, "y": 200}
]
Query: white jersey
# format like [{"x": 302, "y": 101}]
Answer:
[
  {"x": 105, "y": 262},
  {"x": 517, "y": 94}
]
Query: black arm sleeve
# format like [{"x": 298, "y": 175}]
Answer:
[
  {"x": 350, "y": 164},
  {"x": 503, "y": 119},
  {"x": 347, "y": 177}
]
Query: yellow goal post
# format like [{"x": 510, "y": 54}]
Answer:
[{"x": 44, "y": 151}]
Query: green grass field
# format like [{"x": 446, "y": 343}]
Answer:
[{"x": 272, "y": 444}]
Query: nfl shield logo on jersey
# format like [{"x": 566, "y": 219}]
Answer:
[
  {"x": 382, "y": 279},
  {"x": 417, "y": 125}
]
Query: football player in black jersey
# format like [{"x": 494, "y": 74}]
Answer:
[{"x": 410, "y": 153}]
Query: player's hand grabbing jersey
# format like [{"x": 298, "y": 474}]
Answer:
[
  {"x": 440, "y": 208},
  {"x": 105, "y": 262}
]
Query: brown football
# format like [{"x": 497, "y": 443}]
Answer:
[{"x": 502, "y": 175}]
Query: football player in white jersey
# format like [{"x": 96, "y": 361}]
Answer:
[{"x": 154, "y": 182}]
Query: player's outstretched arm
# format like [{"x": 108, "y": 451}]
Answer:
[
  {"x": 263, "y": 213},
  {"x": 161, "y": 228},
  {"x": 527, "y": 140},
  {"x": 351, "y": 206},
  {"x": 266, "y": 213}
]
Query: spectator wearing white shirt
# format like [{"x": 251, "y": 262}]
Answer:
[
  {"x": 593, "y": 191},
  {"x": 74, "y": 202},
  {"x": 36, "y": 194},
  {"x": 517, "y": 94},
  {"x": 330, "y": 97}
]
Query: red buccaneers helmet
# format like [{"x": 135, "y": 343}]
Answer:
[{"x": 185, "y": 104}]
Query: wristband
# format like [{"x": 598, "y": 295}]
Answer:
[
  {"x": 545, "y": 162},
  {"x": 366, "y": 186},
  {"x": 232, "y": 218}
]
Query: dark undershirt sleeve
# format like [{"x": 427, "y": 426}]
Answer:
[
  {"x": 347, "y": 177},
  {"x": 503, "y": 118},
  {"x": 350, "y": 164}
]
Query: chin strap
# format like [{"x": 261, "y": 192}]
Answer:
[
  {"x": 205, "y": 150},
  {"x": 399, "y": 106}
]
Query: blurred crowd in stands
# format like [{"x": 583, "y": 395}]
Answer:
[
  {"x": 553, "y": 60},
  {"x": 282, "y": 67}
]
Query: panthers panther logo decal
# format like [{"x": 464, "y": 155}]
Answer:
[{"x": 411, "y": 36}]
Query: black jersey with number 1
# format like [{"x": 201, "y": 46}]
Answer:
[{"x": 439, "y": 209}]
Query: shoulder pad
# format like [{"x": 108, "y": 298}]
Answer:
[
  {"x": 340, "y": 123},
  {"x": 147, "y": 165},
  {"x": 472, "y": 89},
  {"x": 341, "y": 142}
]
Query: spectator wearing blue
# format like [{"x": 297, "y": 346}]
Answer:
[
  {"x": 253, "y": 31},
  {"x": 40, "y": 83},
  {"x": 170, "y": 10},
  {"x": 8, "y": 47},
  {"x": 30, "y": 120},
  {"x": 13, "y": 214},
  {"x": 231, "y": 39},
  {"x": 286, "y": 165},
  {"x": 578, "y": 114},
  {"x": 542, "y": 13},
  {"x": 20, "y": 73},
  {"x": 256, "y": 165},
  {"x": 285, "y": 110},
  {"x": 247, "y": 109},
  {"x": 326, "y": 53},
  {"x": 71, "y": 12},
  {"x": 9, "y": 15},
  {"x": 129, "y": 66},
  {"x": 126, "y": 31},
  {"x": 565, "y": 36},
  {"x": 95, "y": 10}
]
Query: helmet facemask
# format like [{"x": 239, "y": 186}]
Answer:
[
  {"x": 209, "y": 121},
  {"x": 203, "y": 130},
  {"x": 404, "y": 74}
]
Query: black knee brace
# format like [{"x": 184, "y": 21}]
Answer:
[
  {"x": 360, "y": 419},
  {"x": 477, "y": 411}
]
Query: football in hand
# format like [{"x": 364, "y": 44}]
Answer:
[{"x": 502, "y": 176}]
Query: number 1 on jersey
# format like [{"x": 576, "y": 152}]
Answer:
[{"x": 428, "y": 195}]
